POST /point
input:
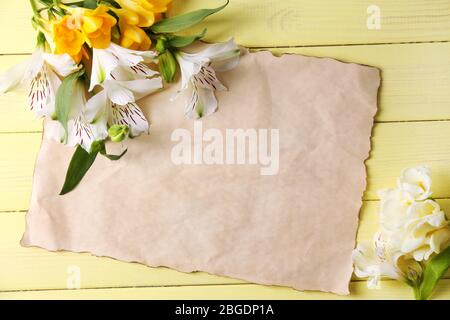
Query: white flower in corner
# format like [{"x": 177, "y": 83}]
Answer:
[
  {"x": 394, "y": 207},
  {"x": 426, "y": 230},
  {"x": 374, "y": 262},
  {"x": 377, "y": 261},
  {"x": 416, "y": 181},
  {"x": 83, "y": 126},
  {"x": 198, "y": 71},
  {"x": 39, "y": 75}
]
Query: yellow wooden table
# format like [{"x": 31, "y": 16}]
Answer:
[{"x": 409, "y": 42}]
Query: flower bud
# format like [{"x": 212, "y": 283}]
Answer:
[
  {"x": 40, "y": 40},
  {"x": 115, "y": 33},
  {"x": 118, "y": 133},
  {"x": 167, "y": 66},
  {"x": 161, "y": 44}
]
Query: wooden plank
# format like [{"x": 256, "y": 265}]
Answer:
[
  {"x": 395, "y": 146},
  {"x": 17, "y": 159},
  {"x": 326, "y": 22},
  {"x": 390, "y": 290},
  {"x": 415, "y": 82},
  {"x": 33, "y": 268},
  {"x": 263, "y": 23},
  {"x": 16, "y": 31}
]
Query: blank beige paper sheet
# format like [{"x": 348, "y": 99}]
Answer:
[{"x": 295, "y": 227}]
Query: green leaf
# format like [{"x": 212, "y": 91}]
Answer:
[
  {"x": 64, "y": 98},
  {"x": 90, "y": 4},
  {"x": 433, "y": 271},
  {"x": 46, "y": 3},
  {"x": 167, "y": 66},
  {"x": 79, "y": 165},
  {"x": 113, "y": 157},
  {"x": 112, "y": 3},
  {"x": 180, "y": 41},
  {"x": 184, "y": 21}
]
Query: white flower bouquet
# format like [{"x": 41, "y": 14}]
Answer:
[
  {"x": 412, "y": 244},
  {"x": 96, "y": 58}
]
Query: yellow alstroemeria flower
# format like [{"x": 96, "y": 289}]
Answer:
[
  {"x": 131, "y": 35},
  {"x": 68, "y": 38},
  {"x": 96, "y": 25},
  {"x": 148, "y": 11}
]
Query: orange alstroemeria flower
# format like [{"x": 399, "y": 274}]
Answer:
[
  {"x": 131, "y": 35},
  {"x": 148, "y": 11},
  {"x": 96, "y": 25},
  {"x": 68, "y": 38}
]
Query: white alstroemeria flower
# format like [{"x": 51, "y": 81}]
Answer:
[
  {"x": 426, "y": 230},
  {"x": 374, "y": 262},
  {"x": 377, "y": 261},
  {"x": 39, "y": 75},
  {"x": 109, "y": 113},
  {"x": 124, "y": 78},
  {"x": 394, "y": 207},
  {"x": 83, "y": 126},
  {"x": 107, "y": 61},
  {"x": 116, "y": 103},
  {"x": 416, "y": 181},
  {"x": 198, "y": 71}
]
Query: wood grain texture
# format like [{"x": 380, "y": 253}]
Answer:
[
  {"x": 390, "y": 290},
  {"x": 37, "y": 269},
  {"x": 416, "y": 78},
  {"x": 262, "y": 23},
  {"x": 256, "y": 23}
]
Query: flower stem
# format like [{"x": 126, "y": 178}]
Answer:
[
  {"x": 58, "y": 7},
  {"x": 34, "y": 7},
  {"x": 417, "y": 294}
]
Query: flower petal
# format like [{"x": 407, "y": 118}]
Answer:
[
  {"x": 143, "y": 70},
  {"x": 62, "y": 64},
  {"x": 188, "y": 68},
  {"x": 53, "y": 130},
  {"x": 103, "y": 63},
  {"x": 118, "y": 93},
  {"x": 141, "y": 87},
  {"x": 130, "y": 115},
  {"x": 394, "y": 205},
  {"x": 97, "y": 114},
  {"x": 14, "y": 76},
  {"x": 132, "y": 57},
  {"x": 440, "y": 240},
  {"x": 217, "y": 51},
  {"x": 80, "y": 133},
  {"x": 138, "y": 72},
  {"x": 416, "y": 181},
  {"x": 35, "y": 65},
  {"x": 207, "y": 79},
  {"x": 43, "y": 87},
  {"x": 202, "y": 103}
]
